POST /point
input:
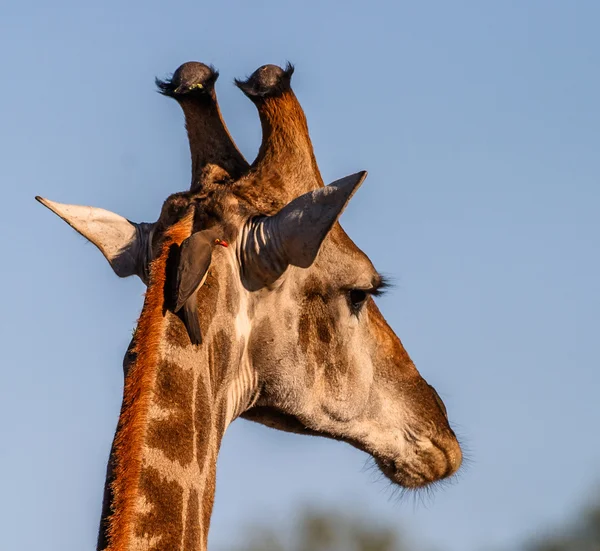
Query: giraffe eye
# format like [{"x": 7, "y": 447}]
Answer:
[{"x": 357, "y": 298}]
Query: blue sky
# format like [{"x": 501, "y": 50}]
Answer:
[{"x": 479, "y": 124}]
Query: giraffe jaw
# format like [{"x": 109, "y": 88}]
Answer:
[{"x": 417, "y": 470}]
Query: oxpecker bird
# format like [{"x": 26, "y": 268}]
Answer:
[{"x": 194, "y": 260}]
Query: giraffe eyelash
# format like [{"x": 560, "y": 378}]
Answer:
[{"x": 380, "y": 286}]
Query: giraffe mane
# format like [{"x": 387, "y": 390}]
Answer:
[{"x": 137, "y": 394}]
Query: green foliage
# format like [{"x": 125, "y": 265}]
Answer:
[
  {"x": 325, "y": 531},
  {"x": 319, "y": 530},
  {"x": 583, "y": 534}
]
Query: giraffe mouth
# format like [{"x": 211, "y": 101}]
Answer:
[{"x": 423, "y": 466}]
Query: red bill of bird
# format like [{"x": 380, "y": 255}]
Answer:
[{"x": 195, "y": 255}]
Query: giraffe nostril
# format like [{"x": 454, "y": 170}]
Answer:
[{"x": 439, "y": 401}]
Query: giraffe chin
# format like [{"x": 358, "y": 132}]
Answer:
[
  {"x": 428, "y": 466},
  {"x": 403, "y": 475}
]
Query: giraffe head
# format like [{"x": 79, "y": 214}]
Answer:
[{"x": 292, "y": 334}]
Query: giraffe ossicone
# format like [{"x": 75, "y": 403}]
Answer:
[{"x": 279, "y": 327}]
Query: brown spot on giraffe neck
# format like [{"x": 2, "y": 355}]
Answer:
[
  {"x": 219, "y": 357},
  {"x": 208, "y": 297},
  {"x": 192, "y": 537},
  {"x": 263, "y": 334},
  {"x": 164, "y": 520},
  {"x": 210, "y": 424},
  {"x": 173, "y": 434},
  {"x": 208, "y": 498},
  {"x": 176, "y": 334},
  {"x": 202, "y": 419}
]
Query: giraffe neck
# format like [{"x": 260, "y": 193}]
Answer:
[
  {"x": 178, "y": 401},
  {"x": 177, "y": 479}
]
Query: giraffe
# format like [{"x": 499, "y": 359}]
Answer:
[{"x": 292, "y": 337}]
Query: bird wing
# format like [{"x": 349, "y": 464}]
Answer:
[{"x": 194, "y": 260}]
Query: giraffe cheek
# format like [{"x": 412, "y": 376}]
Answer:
[{"x": 347, "y": 387}]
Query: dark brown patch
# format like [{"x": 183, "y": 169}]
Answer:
[
  {"x": 324, "y": 329},
  {"x": 176, "y": 333},
  {"x": 208, "y": 298},
  {"x": 264, "y": 332},
  {"x": 209, "y": 490},
  {"x": 219, "y": 357},
  {"x": 165, "y": 519},
  {"x": 304, "y": 329},
  {"x": 315, "y": 322},
  {"x": 218, "y": 419},
  {"x": 191, "y": 539},
  {"x": 202, "y": 420},
  {"x": 221, "y": 424},
  {"x": 174, "y": 435}
]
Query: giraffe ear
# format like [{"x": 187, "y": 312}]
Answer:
[
  {"x": 294, "y": 235},
  {"x": 303, "y": 224},
  {"x": 123, "y": 243}
]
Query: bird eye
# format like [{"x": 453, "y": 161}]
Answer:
[{"x": 357, "y": 298}]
